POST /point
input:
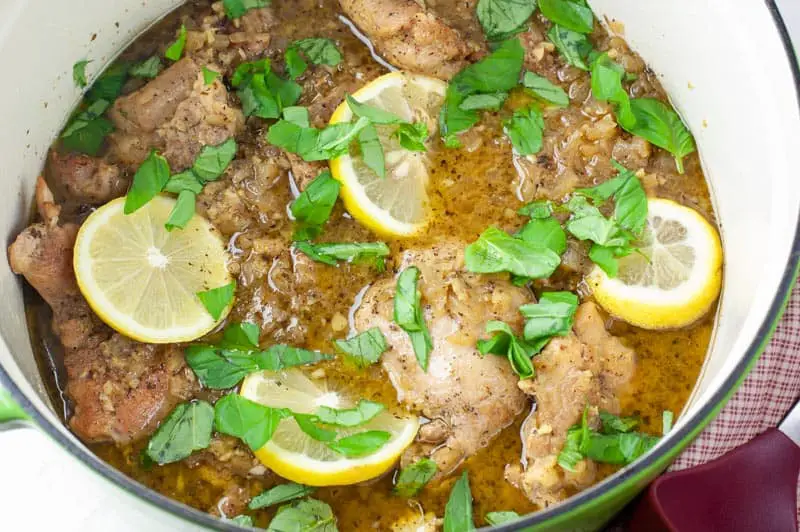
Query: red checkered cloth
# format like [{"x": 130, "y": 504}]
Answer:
[{"x": 764, "y": 398}]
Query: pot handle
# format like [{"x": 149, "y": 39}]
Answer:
[{"x": 10, "y": 412}]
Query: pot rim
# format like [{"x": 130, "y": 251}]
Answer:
[{"x": 594, "y": 496}]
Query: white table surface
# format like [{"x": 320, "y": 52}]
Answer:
[{"x": 42, "y": 487}]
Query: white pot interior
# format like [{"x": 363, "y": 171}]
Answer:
[{"x": 723, "y": 63}]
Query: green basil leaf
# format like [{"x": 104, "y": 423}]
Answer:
[
  {"x": 570, "y": 14},
  {"x": 251, "y": 422},
  {"x": 148, "y": 181},
  {"x": 373, "y": 114},
  {"x": 537, "y": 209},
  {"x": 216, "y": 300},
  {"x": 293, "y": 137},
  {"x": 213, "y": 160},
  {"x": 175, "y": 50},
  {"x": 414, "y": 477},
  {"x": 607, "y": 86},
  {"x": 574, "y": 47},
  {"x": 525, "y": 129},
  {"x": 499, "y": 344},
  {"x": 185, "y": 430},
  {"x": 618, "y": 449},
  {"x": 630, "y": 209},
  {"x": 545, "y": 232},
  {"x": 278, "y": 357},
  {"x": 660, "y": 125},
  {"x": 319, "y": 51},
  {"x": 352, "y": 252},
  {"x": 297, "y": 115},
  {"x": 588, "y": 223},
  {"x": 280, "y": 493},
  {"x": 209, "y": 76},
  {"x": 309, "y": 425},
  {"x": 182, "y": 212},
  {"x": 409, "y": 316},
  {"x": 314, "y": 205},
  {"x": 412, "y": 137},
  {"x": 612, "y": 424},
  {"x": 363, "y": 349},
  {"x": 453, "y": 119},
  {"x": 79, "y": 73},
  {"x": 606, "y": 258},
  {"x": 502, "y": 19},
  {"x": 241, "y": 520},
  {"x": 543, "y": 89},
  {"x": 184, "y": 181},
  {"x": 87, "y": 131},
  {"x": 498, "y": 518},
  {"x": 237, "y": 8},
  {"x": 109, "y": 85},
  {"x": 349, "y": 417},
  {"x": 551, "y": 316},
  {"x": 492, "y": 101},
  {"x": 242, "y": 335},
  {"x": 360, "y": 444},
  {"x": 245, "y": 71},
  {"x": 570, "y": 455},
  {"x": 497, "y": 251},
  {"x": 217, "y": 371},
  {"x": 506, "y": 344},
  {"x": 296, "y": 66},
  {"x": 372, "y": 150},
  {"x": 667, "y": 418},
  {"x": 263, "y": 93},
  {"x": 147, "y": 69},
  {"x": 305, "y": 515},
  {"x": 458, "y": 511}
]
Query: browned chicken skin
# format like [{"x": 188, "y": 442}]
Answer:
[
  {"x": 587, "y": 367},
  {"x": 468, "y": 398}
]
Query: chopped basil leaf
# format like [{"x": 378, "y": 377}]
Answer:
[
  {"x": 352, "y": 252},
  {"x": 574, "y": 47},
  {"x": 280, "y": 493},
  {"x": 335, "y": 139},
  {"x": 242, "y": 335},
  {"x": 607, "y": 86},
  {"x": 412, "y": 136},
  {"x": 88, "y": 130},
  {"x": 313, "y": 206},
  {"x": 349, "y": 417},
  {"x": 497, "y": 251},
  {"x": 543, "y": 89},
  {"x": 611, "y": 424},
  {"x": 659, "y": 124},
  {"x": 491, "y": 102},
  {"x": 147, "y": 69},
  {"x": 372, "y": 150},
  {"x": 183, "y": 181},
  {"x": 79, "y": 73},
  {"x": 497, "y": 72},
  {"x": 237, "y": 8},
  {"x": 588, "y": 223},
  {"x": 606, "y": 257},
  {"x": 309, "y": 424},
  {"x": 525, "y": 129},
  {"x": 296, "y": 66},
  {"x": 213, "y": 160},
  {"x": 185, "y": 430},
  {"x": 297, "y": 115},
  {"x": 319, "y": 51},
  {"x": 241, "y": 520},
  {"x": 375, "y": 115},
  {"x": 570, "y": 455},
  {"x": 545, "y": 232},
  {"x": 279, "y": 356},
  {"x": 667, "y": 418},
  {"x": 216, "y": 300},
  {"x": 261, "y": 91},
  {"x": 360, "y": 444},
  {"x": 251, "y": 422},
  {"x": 458, "y": 511},
  {"x": 502, "y": 19},
  {"x": 109, "y": 85},
  {"x": 149, "y": 180},
  {"x": 498, "y": 518},
  {"x": 551, "y": 316},
  {"x": 220, "y": 369},
  {"x": 209, "y": 75},
  {"x": 175, "y": 50},
  {"x": 409, "y": 316},
  {"x": 506, "y": 343},
  {"x": 306, "y": 515},
  {"x": 630, "y": 202},
  {"x": 315, "y": 144},
  {"x": 570, "y": 14},
  {"x": 537, "y": 209},
  {"x": 243, "y": 72},
  {"x": 182, "y": 212},
  {"x": 363, "y": 349},
  {"x": 413, "y": 478}
]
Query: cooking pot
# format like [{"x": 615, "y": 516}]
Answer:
[{"x": 728, "y": 67}]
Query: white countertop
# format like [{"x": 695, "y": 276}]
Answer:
[{"x": 42, "y": 487}]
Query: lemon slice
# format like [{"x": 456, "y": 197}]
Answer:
[
  {"x": 294, "y": 455},
  {"x": 141, "y": 279},
  {"x": 675, "y": 279},
  {"x": 396, "y": 205}
]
